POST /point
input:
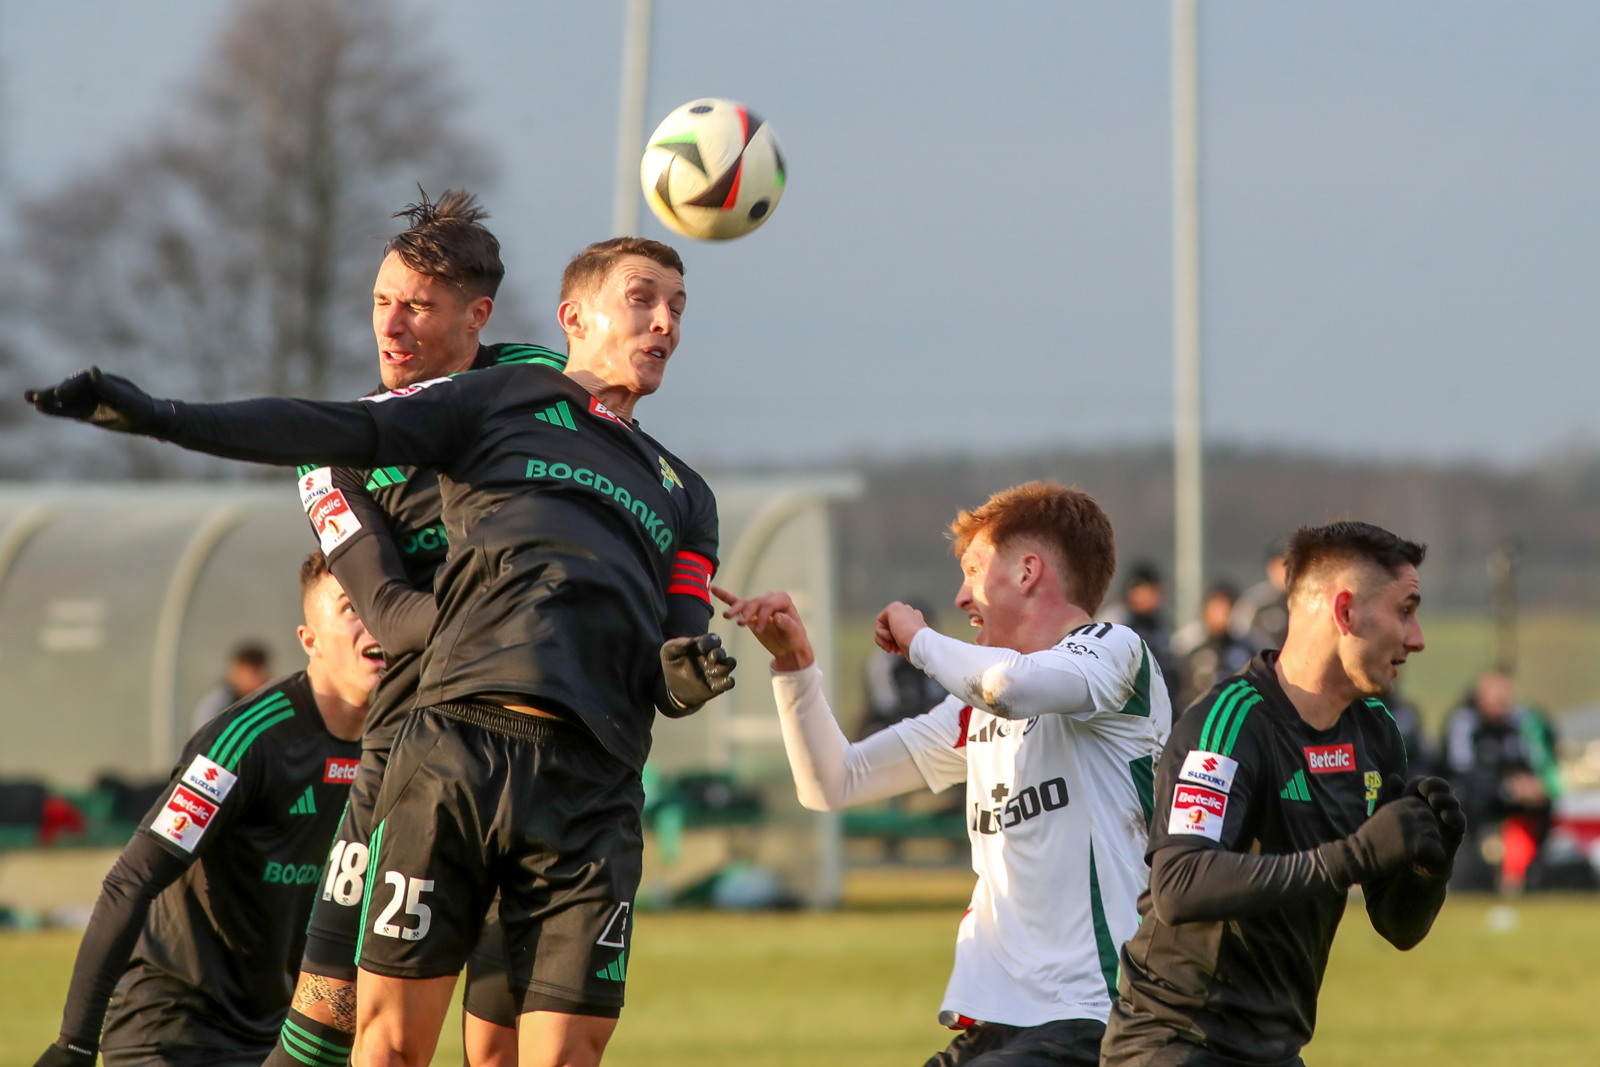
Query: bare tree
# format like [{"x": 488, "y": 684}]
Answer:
[{"x": 232, "y": 253}]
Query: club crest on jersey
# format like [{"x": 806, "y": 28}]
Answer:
[
  {"x": 1209, "y": 769},
  {"x": 1373, "y": 780},
  {"x": 669, "y": 477},
  {"x": 208, "y": 779},
  {"x": 184, "y": 819},
  {"x": 1197, "y": 810},
  {"x": 1330, "y": 759}
]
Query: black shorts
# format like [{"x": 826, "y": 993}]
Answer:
[
  {"x": 479, "y": 800},
  {"x": 184, "y": 1056},
  {"x": 335, "y": 924},
  {"x": 1064, "y": 1041}
]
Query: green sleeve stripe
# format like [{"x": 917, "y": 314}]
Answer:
[
  {"x": 373, "y": 845},
  {"x": 225, "y": 740},
  {"x": 1104, "y": 945},
  {"x": 231, "y": 759},
  {"x": 1238, "y": 722},
  {"x": 1217, "y": 717},
  {"x": 310, "y": 1049},
  {"x": 1139, "y": 700}
]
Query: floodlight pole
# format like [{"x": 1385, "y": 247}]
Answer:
[
  {"x": 1188, "y": 467},
  {"x": 634, "y": 97}
]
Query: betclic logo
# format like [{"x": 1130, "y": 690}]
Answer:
[{"x": 1331, "y": 759}]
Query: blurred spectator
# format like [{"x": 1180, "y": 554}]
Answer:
[
  {"x": 1207, "y": 650},
  {"x": 1261, "y": 614},
  {"x": 895, "y": 689},
  {"x": 249, "y": 667},
  {"x": 1140, "y": 610},
  {"x": 1500, "y": 757}
]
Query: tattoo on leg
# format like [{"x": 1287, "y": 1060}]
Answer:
[{"x": 339, "y": 996}]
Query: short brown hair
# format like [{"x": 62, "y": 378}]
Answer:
[
  {"x": 445, "y": 240},
  {"x": 312, "y": 570},
  {"x": 1313, "y": 549},
  {"x": 1065, "y": 519},
  {"x": 591, "y": 266}
]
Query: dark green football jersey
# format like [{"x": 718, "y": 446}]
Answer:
[
  {"x": 253, "y": 802},
  {"x": 1243, "y": 772}
]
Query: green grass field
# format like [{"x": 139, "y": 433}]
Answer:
[{"x": 861, "y": 987}]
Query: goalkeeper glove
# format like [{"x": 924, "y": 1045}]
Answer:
[
  {"x": 696, "y": 669},
  {"x": 104, "y": 400}
]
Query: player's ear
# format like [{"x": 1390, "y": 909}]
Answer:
[
  {"x": 570, "y": 315},
  {"x": 478, "y": 312},
  {"x": 1344, "y": 602},
  {"x": 308, "y": 639},
  {"x": 1030, "y": 571}
]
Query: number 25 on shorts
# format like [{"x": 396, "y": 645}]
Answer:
[{"x": 408, "y": 891}]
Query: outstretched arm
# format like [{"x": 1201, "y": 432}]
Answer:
[
  {"x": 279, "y": 431},
  {"x": 830, "y": 772}
]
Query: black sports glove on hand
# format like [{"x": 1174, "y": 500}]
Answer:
[
  {"x": 696, "y": 669},
  {"x": 56, "y": 1056},
  {"x": 1446, "y": 808},
  {"x": 104, "y": 400},
  {"x": 1402, "y": 835}
]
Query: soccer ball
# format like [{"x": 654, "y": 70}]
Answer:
[{"x": 712, "y": 170}]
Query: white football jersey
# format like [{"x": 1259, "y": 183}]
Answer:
[{"x": 1057, "y": 810}]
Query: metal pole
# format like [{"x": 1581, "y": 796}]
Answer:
[
  {"x": 1187, "y": 456},
  {"x": 634, "y": 93}
]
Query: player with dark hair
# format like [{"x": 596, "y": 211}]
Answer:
[
  {"x": 1054, "y": 726},
  {"x": 383, "y": 533},
  {"x": 1281, "y": 789},
  {"x": 200, "y": 922},
  {"x": 573, "y": 604}
]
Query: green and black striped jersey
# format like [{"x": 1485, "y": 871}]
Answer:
[
  {"x": 382, "y": 530},
  {"x": 1244, "y": 773},
  {"x": 253, "y": 802}
]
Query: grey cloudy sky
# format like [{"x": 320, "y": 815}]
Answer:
[{"x": 1402, "y": 243}]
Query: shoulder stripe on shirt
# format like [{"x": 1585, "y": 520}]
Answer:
[
  {"x": 529, "y": 354},
  {"x": 1227, "y": 716},
  {"x": 230, "y": 745},
  {"x": 1139, "y": 700}
]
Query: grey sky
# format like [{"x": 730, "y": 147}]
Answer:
[{"x": 1401, "y": 233}]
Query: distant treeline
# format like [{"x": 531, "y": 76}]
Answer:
[{"x": 891, "y": 543}]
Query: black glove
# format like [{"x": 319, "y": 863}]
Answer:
[
  {"x": 1446, "y": 808},
  {"x": 1402, "y": 835},
  {"x": 696, "y": 669},
  {"x": 56, "y": 1056},
  {"x": 103, "y": 400}
]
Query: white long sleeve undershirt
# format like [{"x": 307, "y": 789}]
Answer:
[
  {"x": 830, "y": 771},
  {"x": 1004, "y": 682}
]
